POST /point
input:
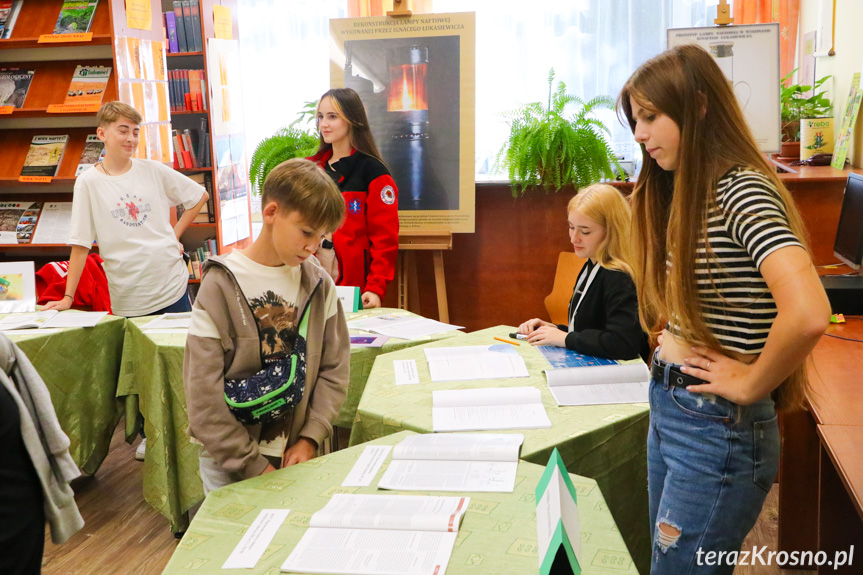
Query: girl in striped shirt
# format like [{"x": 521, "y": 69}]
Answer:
[{"x": 725, "y": 280}]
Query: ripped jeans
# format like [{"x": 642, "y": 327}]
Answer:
[{"x": 710, "y": 464}]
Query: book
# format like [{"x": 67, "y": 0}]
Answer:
[
  {"x": 599, "y": 384},
  {"x": 188, "y": 24},
  {"x": 26, "y": 320},
  {"x": 197, "y": 41},
  {"x": 18, "y": 221},
  {"x": 75, "y": 16},
  {"x": 94, "y": 151},
  {"x": 488, "y": 408},
  {"x": 44, "y": 156},
  {"x": 357, "y": 534},
  {"x": 171, "y": 26},
  {"x": 182, "y": 43},
  {"x": 454, "y": 462},
  {"x": 846, "y": 126},
  {"x": 558, "y": 357},
  {"x": 51, "y": 319},
  {"x": 88, "y": 85},
  {"x": 14, "y": 85},
  {"x": 9, "y": 24}
]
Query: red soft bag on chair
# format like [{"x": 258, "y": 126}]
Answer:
[{"x": 92, "y": 293}]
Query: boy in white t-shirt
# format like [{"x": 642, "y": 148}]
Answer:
[{"x": 124, "y": 204}]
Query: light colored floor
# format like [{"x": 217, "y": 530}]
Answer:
[{"x": 124, "y": 535}]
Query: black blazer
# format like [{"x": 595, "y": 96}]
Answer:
[{"x": 606, "y": 324}]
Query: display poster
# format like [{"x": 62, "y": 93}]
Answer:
[
  {"x": 749, "y": 57},
  {"x": 139, "y": 14},
  {"x": 416, "y": 78},
  {"x": 223, "y": 69},
  {"x": 222, "y": 22}
]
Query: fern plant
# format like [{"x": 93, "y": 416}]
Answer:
[
  {"x": 548, "y": 148},
  {"x": 286, "y": 143}
]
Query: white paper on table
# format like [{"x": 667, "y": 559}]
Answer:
[
  {"x": 170, "y": 321},
  {"x": 488, "y": 408},
  {"x": 251, "y": 547},
  {"x": 406, "y": 371},
  {"x": 460, "y": 447},
  {"x": 475, "y": 362},
  {"x": 22, "y": 321},
  {"x": 367, "y": 466},
  {"x": 173, "y": 331},
  {"x": 402, "y": 326},
  {"x": 353, "y": 552},
  {"x": 408, "y": 512},
  {"x": 75, "y": 319},
  {"x": 30, "y": 331},
  {"x": 599, "y": 385},
  {"x": 459, "y": 476}
]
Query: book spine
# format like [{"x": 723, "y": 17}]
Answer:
[
  {"x": 171, "y": 91},
  {"x": 182, "y": 45},
  {"x": 178, "y": 149},
  {"x": 171, "y": 24},
  {"x": 189, "y": 148},
  {"x": 196, "y": 25},
  {"x": 211, "y": 202},
  {"x": 187, "y": 101},
  {"x": 187, "y": 22},
  {"x": 203, "y": 80}
]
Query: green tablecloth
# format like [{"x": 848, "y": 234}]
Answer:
[
  {"x": 151, "y": 379},
  {"x": 607, "y": 443},
  {"x": 80, "y": 367},
  {"x": 363, "y": 358},
  {"x": 498, "y": 534}
]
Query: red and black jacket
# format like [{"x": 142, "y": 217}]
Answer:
[{"x": 367, "y": 242}]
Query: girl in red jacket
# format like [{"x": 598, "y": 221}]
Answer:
[{"x": 367, "y": 242}]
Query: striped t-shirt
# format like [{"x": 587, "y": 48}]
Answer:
[{"x": 745, "y": 224}]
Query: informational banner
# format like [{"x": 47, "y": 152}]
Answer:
[
  {"x": 749, "y": 57},
  {"x": 416, "y": 78}
]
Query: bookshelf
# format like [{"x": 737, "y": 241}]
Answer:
[{"x": 139, "y": 65}]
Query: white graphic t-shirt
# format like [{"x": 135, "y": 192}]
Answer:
[{"x": 128, "y": 215}]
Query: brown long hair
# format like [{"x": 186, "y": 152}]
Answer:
[
  {"x": 670, "y": 209},
  {"x": 349, "y": 107}
]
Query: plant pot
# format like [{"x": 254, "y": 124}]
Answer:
[{"x": 790, "y": 150}]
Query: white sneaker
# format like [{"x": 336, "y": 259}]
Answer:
[{"x": 142, "y": 449}]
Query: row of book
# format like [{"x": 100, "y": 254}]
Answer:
[
  {"x": 207, "y": 215},
  {"x": 191, "y": 147},
  {"x": 87, "y": 86},
  {"x": 9, "y": 10},
  {"x": 188, "y": 90},
  {"x": 183, "y": 27},
  {"x": 196, "y": 258},
  {"x": 46, "y": 152},
  {"x": 75, "y": 16}
]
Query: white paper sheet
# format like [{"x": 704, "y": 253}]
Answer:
[
  {"x": 33, "y": 320},
  {"x": 406, "y": 371},
  {"x": 460, "y": 447},
  {"x": 367, "y": 466},
  {"x": 55, "y": 221},
  {"x": 408, "y": 512},
  {"x": 458, "y": 476},
  {"x": 170, "y": 321},
  {"x": 488, "y": 408},
  {"x": 599, "y": 385},
  {"x": 475, "y": 362},
  {"x": 75, "y": 319},
  {"x": 402, "y": 326},
  {"x": 251, "y": 547}
]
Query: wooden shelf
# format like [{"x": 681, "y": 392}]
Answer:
[
  {"x": 51, "y": 82},
  {"x": 190, "y": 112},
  {"x": 38, "y": 17},
  {"x": 193, "y": 170},
  {"x": 15, "y": 143},
  {"x": 202, "y": 225},
  {"x": 182, "y": 54}
]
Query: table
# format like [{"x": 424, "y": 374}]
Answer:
[
  {"x": 363, "y": 358},
  {"x": 607, "y": 443},
  {"x": 497, "y": 535},
  {"x": 80, "y": 367},
  {"x": 807, "y": 459},
  {"x": 151, "y": 382}
]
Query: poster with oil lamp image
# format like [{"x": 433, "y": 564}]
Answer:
[
  {"x": 748, "y": 55},
  {"x": 416, "y": 79}
]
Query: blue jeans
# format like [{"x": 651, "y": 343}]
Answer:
[
  {"x": 179, "y": 306},
  {"x": 710, "y": 464}
]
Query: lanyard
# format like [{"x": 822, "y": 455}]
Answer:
[{"x": 583, "y": 290}]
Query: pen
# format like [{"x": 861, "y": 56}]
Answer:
[{"x": 507, "y": 341}]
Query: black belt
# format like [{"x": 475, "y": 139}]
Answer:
[{"x": 676, "y": 377}]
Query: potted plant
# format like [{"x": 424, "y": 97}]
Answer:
[
  {"x": 797, "y": 103},
  {"x": 289, "y": 142},
  {"x": 547, "y": 147}
]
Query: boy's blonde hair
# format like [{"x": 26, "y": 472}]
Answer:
[
  {"x": 607, "y": 207},
  {"x": 300, "y": 185},
  {"x": 110, "y": 112}
]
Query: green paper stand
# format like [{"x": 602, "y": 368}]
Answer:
[
  {"x": 558, "y": 532},
  {"x": 350, "y": 298}
]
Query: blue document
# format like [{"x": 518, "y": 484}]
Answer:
[{"x": 559, "y": 357}]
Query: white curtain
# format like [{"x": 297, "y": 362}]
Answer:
[{"x": 593, "y": 46}]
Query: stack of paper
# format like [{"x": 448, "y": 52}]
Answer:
[
  {"x": 380, "y": 535},
  {"x": 489, "y": 408},
  {"x": 454, "y": 462},
  {"x": 51, "y": 319},
  {"x": 170, "y": 321},
  {"x": 475, "y": 362},
  {"x": 402, "y": 326},
  {"x": 599, "y": 385}
]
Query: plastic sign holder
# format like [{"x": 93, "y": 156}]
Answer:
[
  {"x": 557, "y": 526},
  {"x": 63, "y": 38},
  {"x": 350, "y": 298}
]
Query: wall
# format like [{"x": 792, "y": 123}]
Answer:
[{"x": 847, "y": 61}]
